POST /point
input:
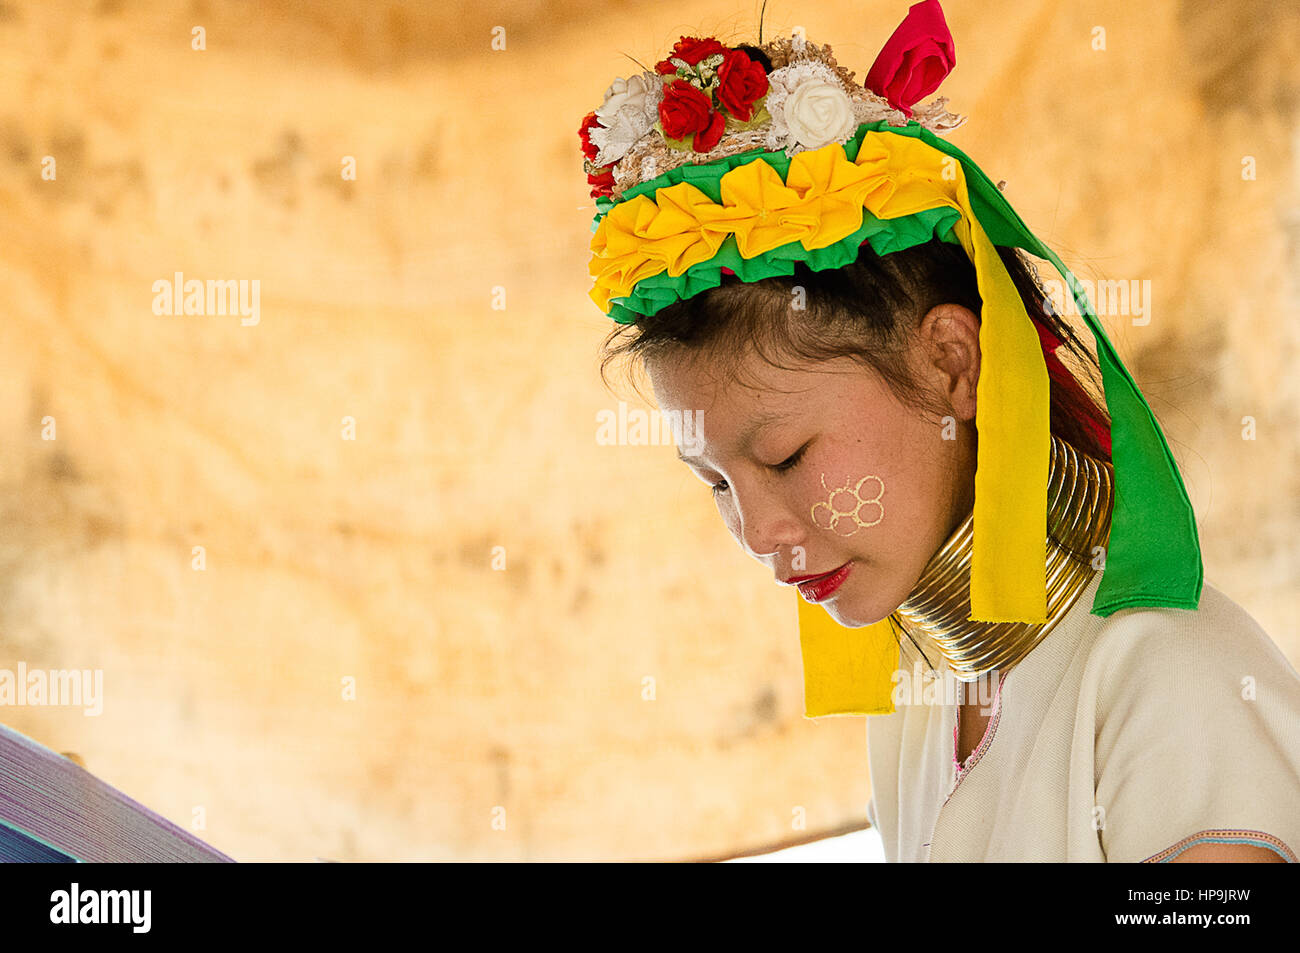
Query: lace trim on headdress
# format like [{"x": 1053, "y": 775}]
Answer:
[{"x": 794, "y": 61}]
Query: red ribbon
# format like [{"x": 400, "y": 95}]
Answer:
[{"x": 1064, "y": 379}]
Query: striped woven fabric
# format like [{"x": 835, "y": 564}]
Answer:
[{"x": 54, "y": 811}]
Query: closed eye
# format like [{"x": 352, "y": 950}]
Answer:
[
  {"x": 789, "y": 463},
  {"x": 792, "y": 461}
]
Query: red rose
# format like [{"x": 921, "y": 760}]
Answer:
[
  {"x": 684, "y": 110},
  {"x": 915, "y": 58},
  {"x": 602, "y": 183},
  {"x": 707, "y": 138},
  {"x": 584, "y": 133},
  {"x": 741, "y": 83},
  {"x": 692, "y": 50}
]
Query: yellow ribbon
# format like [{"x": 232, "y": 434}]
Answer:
[{"x": 821, "y": 201}]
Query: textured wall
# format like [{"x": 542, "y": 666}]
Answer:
[{"x": 331, "y": 558}]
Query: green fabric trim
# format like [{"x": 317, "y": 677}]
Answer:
[
  {"x": 885, "y": 235},
  {"x": 1153, "y": 557},
  {"x": 1154, "y": 554}
]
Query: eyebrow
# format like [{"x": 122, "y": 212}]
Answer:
[{"x": 747, "y": 435}]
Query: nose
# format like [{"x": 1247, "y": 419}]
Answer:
[{"x": 762, "y": 521}]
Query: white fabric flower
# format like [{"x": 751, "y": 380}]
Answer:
[
  {"x": 629, "y": 112},
  {"x": 809, "y": 107},
  {"x": 818, "y": 112}
]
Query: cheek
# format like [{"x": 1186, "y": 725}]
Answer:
[{"x": 847, "y": 506}]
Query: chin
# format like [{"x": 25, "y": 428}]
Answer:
[
  {"x": 854, "y": 611},
  {"x": 855, "y": 615}
]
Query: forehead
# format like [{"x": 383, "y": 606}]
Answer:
[
  {"x": 735, "y": 402},
  {"x": 746, "y": 387}
]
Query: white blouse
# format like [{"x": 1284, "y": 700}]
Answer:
[{"x": 1127, "y": 738}]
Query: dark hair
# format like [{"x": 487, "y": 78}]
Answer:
[{"x": 866, "y": 310}]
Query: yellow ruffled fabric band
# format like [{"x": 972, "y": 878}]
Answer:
[{"x": 821, "y": 201}]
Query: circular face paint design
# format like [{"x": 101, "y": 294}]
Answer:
[{"x": 843, "y": 510}]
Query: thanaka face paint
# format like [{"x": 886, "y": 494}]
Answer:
[{"x": 842, "y": 512}]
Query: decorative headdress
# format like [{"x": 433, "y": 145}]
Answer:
[{"x": 743, "y": 160}]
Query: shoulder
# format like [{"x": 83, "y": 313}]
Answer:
[
  {"x": 1219, "y": 648},
  {"x": 1195, "y": 719}
]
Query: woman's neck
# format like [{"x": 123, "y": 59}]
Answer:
[{"x": 936, "y": 616}]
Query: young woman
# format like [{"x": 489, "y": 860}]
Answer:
[{"x": 879, "y": 379}]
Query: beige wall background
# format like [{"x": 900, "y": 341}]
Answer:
[{"x": 486, "y": 694}]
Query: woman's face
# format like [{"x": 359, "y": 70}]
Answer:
[{"x": 822, "y": 468}]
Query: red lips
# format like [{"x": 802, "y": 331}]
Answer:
[
  {"x": 821, "y": 588},
  {"x": 795, "y": 580}
]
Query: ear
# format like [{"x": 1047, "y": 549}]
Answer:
[{"x": 950, "y": 337}]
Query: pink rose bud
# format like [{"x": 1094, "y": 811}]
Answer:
[{"x": 915, "y": 58}]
